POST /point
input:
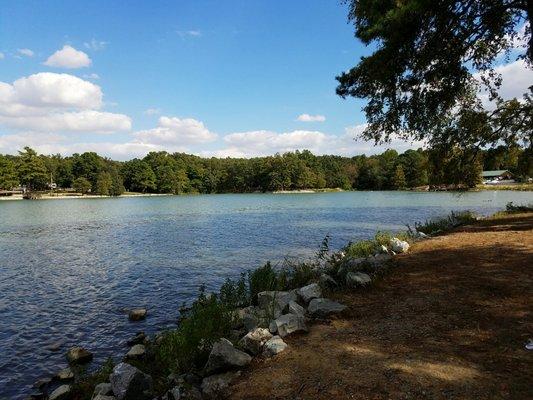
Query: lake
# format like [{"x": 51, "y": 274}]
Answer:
[{"x": 70, "y": 268}]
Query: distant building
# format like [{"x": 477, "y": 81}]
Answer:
[{"x": 497, "y": 177}]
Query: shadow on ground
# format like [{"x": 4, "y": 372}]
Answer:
[{"x": 450, "y": 321}]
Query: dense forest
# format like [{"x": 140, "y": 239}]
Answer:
[{"x": 161, "y": 172}]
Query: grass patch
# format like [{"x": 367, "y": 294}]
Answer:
[{"x": 443, "y": 224}]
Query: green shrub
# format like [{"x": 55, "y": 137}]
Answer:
[
  {"x": 235, "y": 294},
  {"x": 447, "y": 223},
  {"x": 83, "y": 387},
  {"x": 511, "y": 208},
  {"x": 262, "y": 279}
]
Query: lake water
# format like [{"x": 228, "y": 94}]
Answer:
[{"x": 69, "y": 268}]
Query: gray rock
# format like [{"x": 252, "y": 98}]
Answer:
[
  {"x": 399, "y": 246},
  {"x": 309, "y": 292},
  {"x": 42, "y": 383},
  {"x": 103, "y": 389},
  {"x": 272, "y": 327},
  {"x": 78, "y": 355},
  {"x": 253, "y": 341},
  {"x": 274, "y": 302},
  {"x": 323, "y": 307},
  {"x": 274, "y": 346},
  {"x": 136, "y": 352},
  {"x": 327, "y": 281},
  {"x": 129, "y": 383},
  {"x": 64, "y": 375},
  {"x": 61, "y": 393},
  {"x": 137, "y": 314},
  {"x": 224, "y": 356},
  {"x": 104, "y": 397},
  {"x": 295, "y": 308},
  {"x": 182, "y": 392},
  {"x": 139, "y": 338},
  {"x": 253, "y": 317},
  {"x": 216, "y": 387},
  {"x": 354, "y": 279},
  {"x": 290, "y": 323}
]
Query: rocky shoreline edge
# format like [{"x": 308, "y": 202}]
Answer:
[{"x": 255, "y": 331}]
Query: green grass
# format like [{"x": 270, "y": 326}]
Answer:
[
  {"x": 447, "y": 223},
  {"x": 367, "y": 248}
]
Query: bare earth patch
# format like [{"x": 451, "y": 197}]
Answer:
[{"x": 450, "y": 321}]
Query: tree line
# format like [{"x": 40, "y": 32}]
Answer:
[{"x": 177, "y": 173}]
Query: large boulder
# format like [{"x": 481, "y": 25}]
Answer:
[
  {"x": 309, "y": 292},
  {"x": 289, "y": 323},
  {"x": 137, "y": 314},
  {"x": 253, "y": 341},
  {"x": 274, "y": 302},
  {"x": 295, "y": 308},
  {"x": 399, "y": 246},
  {"x": 136, "y": 352},
  {"x": 216, "y": 387},
  {"x": 103, "y": 389},
  {"x": 274, "y": 346},
  {"x": 354, "y": 279},
  {"x": 327, "y": 281},
  {"x": 63, "y": 392},
  {"x": 129, "y": 383},
  {"x": 78, "y": 355},
  {"x": 224, "y": 356},
  {"x": 320, "y": 308},
  {"x": 253, "y": 317},
  {"x": 139, "y": 338}
]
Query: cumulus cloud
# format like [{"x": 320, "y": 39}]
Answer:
[
  {"x": 25, "y": 52},
  {"x": 95, "y": 45},
  {"x": 56, "y": 102},
  {"x": 68, "y": 57},
  {"x": 310, "y": 118},
  {"x": 176, "y": 131}
]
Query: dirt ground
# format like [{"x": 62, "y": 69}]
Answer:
[{"x": 450, "y": 321}]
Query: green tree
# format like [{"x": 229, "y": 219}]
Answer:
[
  {"x": 399, "y": 178},
  {"x": 138, "y": 176},
  {"x": 81, "y": 185},
  {"x": 8, "y": 175},
  {"x": 32, "y": 170},
  {"x": 425, "y": 54},
  {"x": 104, "y": 183}
]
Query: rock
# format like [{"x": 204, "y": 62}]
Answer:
[
  {"x": 182, "y": 392},
  {"x": 42, "y": 383},
  {"x": 78, "y": 355},
  {"x": 295, "y": 308},
  {"x": 290, "y": 323},
  {"x": 103, "y": 389},
  {"x": 136, "y": 352},
  {"x": 354, "y": 279},
  {"x": 61, "y": 393},
  {"x": 64, "y": 375},
  {"x": 272, "y": 327},
  {"x": 137, "y": 314},
  {"x": 37, "y": 396},
  {"x": 253, "y": 317},
  {"x": 399, "y": 246},
  {"x": 309, "y": 292},
  {"x": 224, "y": 356},
  {"x": 274, "y": 302},
  {"x": 253, "y": 341},
  {"x": 352, "y": 264},
  {"x": 327, "y": 281},
  {"x": 383, "y": 249},
  {"x": 139, "y": 338},
  {"x": 274, "y": 346},
  {"x": 104, "y": 397},
  {"x": 129, "y": 383},
  {"x": 216, "y": 387},
  {"x": 323, "y": 307}
]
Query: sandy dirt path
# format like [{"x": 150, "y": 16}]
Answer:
[{"x": 450, "y": 321}]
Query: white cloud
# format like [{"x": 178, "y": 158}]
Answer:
[
  {"x": 152, "y": 111},
  {"x": 92, "y": 76},
  {"x": 68, "y": 57},
  {"x": 26, "y": 52},
  {"x": 310, "y": 118},
  {"x": 176, "y": 131},
  {"x": 95, "y": 45},
  {"x": 516, "y": 79},
  {"x": 56, "y": 102},
  {"x": 194, "y": 33},
  {"x": 2, "y": 56}
]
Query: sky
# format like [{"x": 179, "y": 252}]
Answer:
[{"x": 237, "y": 78}]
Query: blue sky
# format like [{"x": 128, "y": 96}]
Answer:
[{"x": 238, "y": 78}]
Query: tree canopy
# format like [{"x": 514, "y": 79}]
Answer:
[{"x": 421, "y": 71}]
